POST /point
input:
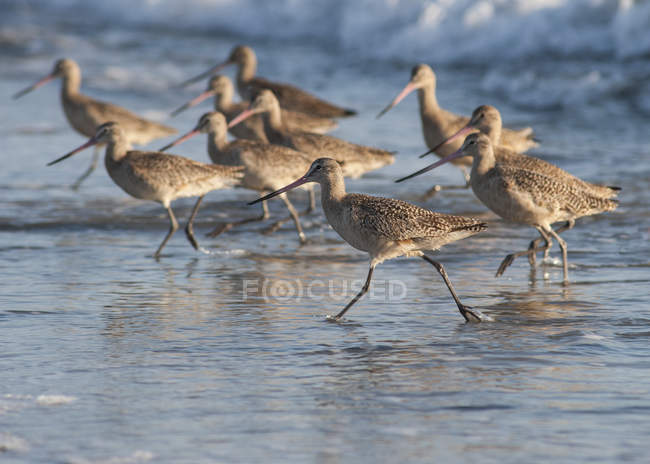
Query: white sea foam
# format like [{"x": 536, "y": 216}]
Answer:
[
  {"x": 429, "y": 30},
  {"x": 542, "y": 54},
  {"x": 54, "y": 400},
  {"x": 135, "y": 458}
]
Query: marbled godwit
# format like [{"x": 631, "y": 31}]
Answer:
[
  {"x": 487, "y": 119},
  {"x": 385, "y": 228},
  {"x": 356, "y": 159},
  {"x": 290, "y": 97},
  {"x": 266, "y": 166},
  {"x": 438, "y": 124},
  {"x": 84, "y": 113},
  {"x": 253, "y": 128},
  {"x": 525, "y": 196},
  {"x": 158, "y": 176}
]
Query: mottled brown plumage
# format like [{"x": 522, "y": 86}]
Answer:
[
  {"x": 356, "y": 159},
  {"x": 85, "y": 114},
  {"x": 438, "y": 124},
  {"x": 396, "y": 220},
  {"x": 267, "y": 167},
  {"x": 290, "y": 97},
  {"x": 525, "y": 196},
  {"x": 383, "y": 227},
  {"x": 158, "y": 176},
  {"x": 253, "y": 128},
  {"x": 487, "y": 119},
  {"x": 529, "y": 197}
]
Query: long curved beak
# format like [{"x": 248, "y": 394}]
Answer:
[
  {"x": 89, "y": 143},
  {"x": 193, "y": 102},
  {"x": 293, "y": 185},
  {"x": 465, "y": 130},
  {"x": 35, "y": 86},
  {"x": 205, "y": 74},
  {"x": 457, "y": 154},
  {"x": 241, "y": 116},
  {"x": 181, "y": 139},
  {"x": 410, "y": 87}
]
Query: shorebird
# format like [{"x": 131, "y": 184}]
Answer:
[
  {"x": 385, "y": 228},
  {"x": 222, "y": 89},
  {"x": 487, "y": 120},
  {"x": 438, "y": 124},
  {"x": 85, "y": 113},
  {"x": 290, "y": 97},
  {"x": 525, "y": 196},
  {"x": 356, "y": 159},
  {"x": 150, "y": 175},
  {"x": 266, "y": 167}
]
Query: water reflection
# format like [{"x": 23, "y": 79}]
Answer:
[{"x": 549, "y": 303}]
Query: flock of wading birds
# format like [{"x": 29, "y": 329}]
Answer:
[{"x": 280, "y": 139}]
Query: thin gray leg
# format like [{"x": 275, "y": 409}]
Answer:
[
  {"x": 91, "y": 168},
  {"x": 312, "y": 202},
  {"x": 294, "y": 216},
  {"x": 226, "y": 226},
  {"x": 189, "y": 228},
  {"x": 547, "y": 241},
  {"x": 173, "y": 226},
  {"x": 363, "y": 291},
  {"x": 470, "y": 314},
  {"x": 530, "y": 252},
  {"x": 276, "y": 225},
  {"x": 534, "y": 244},
  {"x": 563, "y": 247},
  {"x": 567, "y": 226}
]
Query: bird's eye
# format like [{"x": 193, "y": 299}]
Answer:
[{"x": 318, "y": 167}]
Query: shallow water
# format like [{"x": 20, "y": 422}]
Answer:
[{"x": 109, "y": 356}]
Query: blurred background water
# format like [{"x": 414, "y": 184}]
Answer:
[{"x": 108, "y": 356}]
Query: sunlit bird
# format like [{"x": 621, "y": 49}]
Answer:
[
  {"x": 290, "y": 97},
  {"x": 357, "y": 159},
  {"x": 385, "y": 228},
  {"x": 155, "y": 176},
  {"x": 525, "y": 196},
  {"x": 253, "y": 128},
  {"x": 439, "y": 124},
  {"x": 487, "y": 119},
  {"x": 85, "y": 114},
  {"x": 266, "y": 167}
]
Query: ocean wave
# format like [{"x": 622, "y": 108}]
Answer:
[
  {"x": 536, "y": 54},
  {"x": 438, "y": 31}
]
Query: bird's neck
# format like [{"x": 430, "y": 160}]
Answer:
[
  {"x": 223, "y": 100},
  {"x": 116, "y": 150},
  {"x": 483, "y": 162},
  {"x": 332, "y": 191},
  {"x": 217, "y": 141},
  {"x": 71, "y": 83},
  {"x": 247, "y": 70},
  {"x": 494, "y": 134},
  {"x": 273, "y": 125},
  {"x": 428, "y": 100}
]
